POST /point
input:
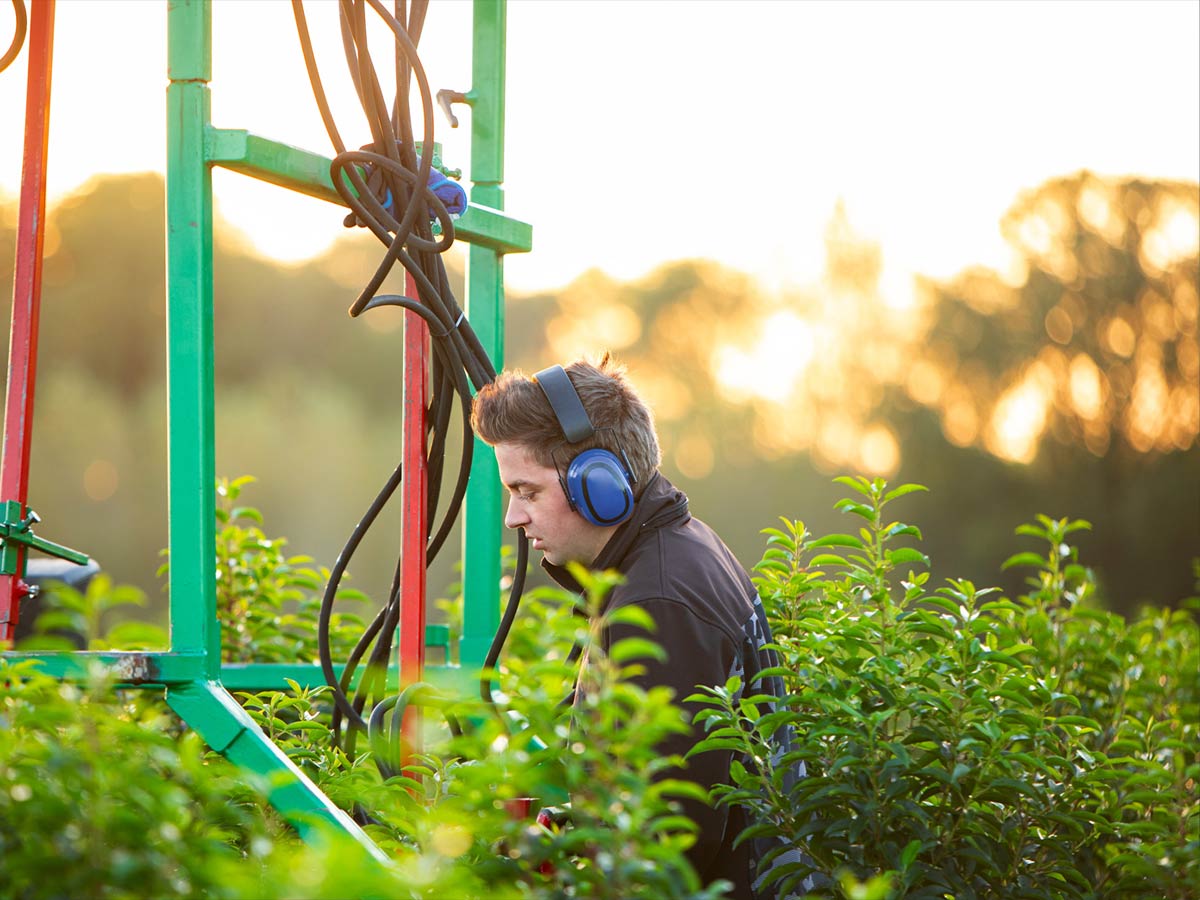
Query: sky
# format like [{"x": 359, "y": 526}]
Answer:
[{"x": 643, "y": 132}]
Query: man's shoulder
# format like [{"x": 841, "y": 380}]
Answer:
[{"x": 688, "y": 570}]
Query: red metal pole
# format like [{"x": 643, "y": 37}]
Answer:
[
  {"x": 27, "y": 293},
  {"x": 414, "y": 526}
]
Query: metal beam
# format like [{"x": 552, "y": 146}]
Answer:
[
  {"x": 308, "y": 173},
  {"x": 482, "y": 511}
]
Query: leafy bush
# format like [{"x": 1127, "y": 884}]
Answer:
[
  {"x": 104, "y": 798},
  {"x": 108, "y": 783},
  {"x": 458, "y": 817},
  {"x": 268, "y": 602},
  {"x": 69, "y": 612},
  {"x": 958, "y": 744},
  {"x": 964, "y": 746}
]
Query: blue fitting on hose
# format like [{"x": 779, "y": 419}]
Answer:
[{"x": 452, "y": 194}]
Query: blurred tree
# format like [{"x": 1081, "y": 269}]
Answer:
[
  {"x": 1084, "y": 363},
  {"x": 306, "y": 397},
  {"x": 1094, "y": 343},
  {"x": 1066, "y": 397},
  {"x": 1067, "y": 387}
]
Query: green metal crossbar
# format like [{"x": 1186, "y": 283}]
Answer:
[{"x": 308, "y": 173}]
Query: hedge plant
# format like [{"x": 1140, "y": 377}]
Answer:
[
  {"x": 962, "y": 744},
  {"x": 959, "y": 744}
]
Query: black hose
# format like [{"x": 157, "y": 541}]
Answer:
[
  {"x": 506, "y": 621},
  {"x": 365, "y": 178},
  {"x": 18, "y": 40}
]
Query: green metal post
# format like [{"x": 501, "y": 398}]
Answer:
[
  {"x": 194, "y": 625},
  {"x": 485, "y": 308},
  {"x": 195, "y": 629},
  {"x": 229, "y": 730}
]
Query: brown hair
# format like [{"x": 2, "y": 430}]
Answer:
[{"x": 513, "y": 409}]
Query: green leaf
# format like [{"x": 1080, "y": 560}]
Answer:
[
  {"x": 633, "y": 648},
  {"x": 838, "y": 540},
  {"x": 907, "y": 555},
  {"x": 245, "y": 512},
  {"x": 855, "y": 482},
  {"x": 1024, "y": 559},
  {"x": 902, "y": 490},
  {"x": 632, "y": 615},
  {"x": 862, "y": 510},
  {"x": 138, "y": 636}
]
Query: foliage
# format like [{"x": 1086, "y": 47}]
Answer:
[
  {"x": 957, "y": 742},
  {"x": 72, "y": 613},
  {"x": 458, "y": 817},
  {"x": 102, "y": 798},
  {"x": 454, "y": 819},
  {"x": 304, "y": 389},
  {"x": 966, "y": 746},
  {"x": 268, "y": 602}
]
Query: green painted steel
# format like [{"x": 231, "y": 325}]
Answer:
[
  {"x": 275, "y": 676},
  {"x": 193, "y": 609},
  {"x": 128, "y": 668},
  {"x": 485, "y": 308},
  {"x": 16, "y": 531},
  {"x": 308, "y": 173},
  {"x": 195, "y": 628},
  {"x": 229, "y": 730}
]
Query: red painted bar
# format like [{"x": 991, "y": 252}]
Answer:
[
  {"x": 414, "y": 501},
  {"x": 27, "y": 291}
]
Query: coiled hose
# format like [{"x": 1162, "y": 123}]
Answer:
[{"x": 459, "y": 364}]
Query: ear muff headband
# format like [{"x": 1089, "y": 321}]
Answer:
[
  {"x": 598, "y": 486},
  {"x": 568, "y": 408}
]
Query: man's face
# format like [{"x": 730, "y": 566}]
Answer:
[{"x": 536, "y": 502}]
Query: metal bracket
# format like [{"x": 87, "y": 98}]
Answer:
[
  {"x": 446, "y": 98},
  {"x": 16, "y": 531}
]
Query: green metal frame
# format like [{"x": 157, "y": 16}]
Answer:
[{"x": 195, "y": 683}]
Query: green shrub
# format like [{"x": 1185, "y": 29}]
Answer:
[
  {"x": 85, "y": 613},
  {"x": 959, "y": 744},
  {"x": 964, "y": 746},
  {"x": 449, "y": 817},
  {"x": 101, "y": 797},
  {"x": 267, "y": 601}
]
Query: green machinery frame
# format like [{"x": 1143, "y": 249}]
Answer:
[{"x": 191, "y": 674}]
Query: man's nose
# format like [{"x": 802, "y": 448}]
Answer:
[{"x": 515, "y": 516}]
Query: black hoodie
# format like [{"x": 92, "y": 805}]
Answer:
[{"x": 711, "y": 624}]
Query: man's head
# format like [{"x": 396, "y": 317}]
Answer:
[{"x": 514, "y": 416}]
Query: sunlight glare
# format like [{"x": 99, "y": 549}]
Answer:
[
  {"x": 897, "y": 288},
  {"x": 771, "y": 368},
  {"x": 1019, "y": 418},
  {"x": 1147, "y": 412},
  {"x": 879, "y": 451},
  {"x": 1087, "y": 393},
  {"x": 100, "y": 479}
]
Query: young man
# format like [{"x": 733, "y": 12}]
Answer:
[{"x": 578, "y": 453}]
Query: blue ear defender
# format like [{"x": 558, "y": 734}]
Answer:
[{"x": 598, "y": 485}]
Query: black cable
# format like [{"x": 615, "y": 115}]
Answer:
[
  {"x": 510, "y": 615},
  {"x": 386, "y": 186},
  {"x": 18, "y": 40}
]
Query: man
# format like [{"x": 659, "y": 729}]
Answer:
[{"x": 578, "y": 453}]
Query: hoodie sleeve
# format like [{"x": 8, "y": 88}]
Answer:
[{"x": 697, "y": 652}]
